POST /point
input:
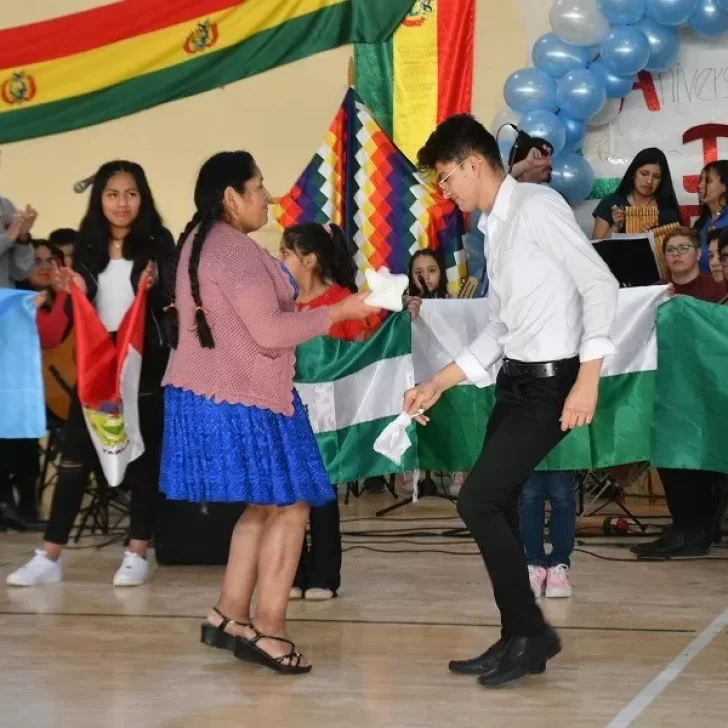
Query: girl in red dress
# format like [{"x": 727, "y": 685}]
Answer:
[{"x": 317, "y": 256}]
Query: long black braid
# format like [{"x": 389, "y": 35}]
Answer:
[
  {"x": 222, "y": 171},
  {"x": 172, "y": 317},
  {"x": 207, "y": 219}
]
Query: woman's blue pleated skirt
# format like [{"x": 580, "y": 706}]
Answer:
[{"x": 220, "y": 452}]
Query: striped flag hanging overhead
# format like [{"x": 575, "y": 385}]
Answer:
[
  {"x": 421, "y": 74},
  {"x": 360, "y": 180},
  {"x": 88, "y": 67}
]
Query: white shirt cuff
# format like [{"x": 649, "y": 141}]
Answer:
[
  {"x": 473, "y": 369},
  {"x": 596, "y": 348}
]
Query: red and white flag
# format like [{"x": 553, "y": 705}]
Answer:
[{"x": 108, "y": 381}]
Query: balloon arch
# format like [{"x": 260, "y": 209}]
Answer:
[{"x": 586, "y": 66}]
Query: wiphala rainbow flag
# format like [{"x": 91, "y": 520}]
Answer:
[
  {"x": 100, "y": 64},
  {"x": 360, "y": 180}
]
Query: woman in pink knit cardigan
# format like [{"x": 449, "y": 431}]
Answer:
[{"x": 235, "y": 429}]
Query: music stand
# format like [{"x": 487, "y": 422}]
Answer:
[
  {"x": 426, "y": 488},
  {"x": 631, "y": 258}
]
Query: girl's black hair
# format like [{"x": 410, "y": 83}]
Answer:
[
  {"x": 720, "y": 167},
  {"x": 665, "y": 195},
  {"x": 330, "y": 248},
  {"x": 94, "y": 233},
  {"x": 441, "y": 290},
  {"x": 55, "y": 251},
  {"x": 222, "y": 170}
]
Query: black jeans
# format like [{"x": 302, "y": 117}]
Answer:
[
  {"x": 692, "y": 497},
  {"x": 523, "y": 428},
  {"x": 320, "y": 565},
  {"x": 79, "y": 459}
]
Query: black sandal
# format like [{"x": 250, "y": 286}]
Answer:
[
  {"x": 249, "y": 651},
  {"x": 217, "y": 636}
]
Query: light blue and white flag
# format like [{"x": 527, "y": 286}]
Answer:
[{"x": 22, "y": 405}]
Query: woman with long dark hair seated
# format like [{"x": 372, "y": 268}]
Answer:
[
  {"x": 121, "y": 242},
  {"x": 646, "y": 183}
]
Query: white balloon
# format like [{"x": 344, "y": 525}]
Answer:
[
  {"x": 579, "y": 22},
  {"x": 609, "y": 112},
  {"x": 506, "y": 116}
]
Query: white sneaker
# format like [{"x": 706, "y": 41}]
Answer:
[
  {"x": 537, "y": 578},
  {"x": 295, "y": 593},
  {"x": 134, "y": 570},
  {"x": 39, "y": 570},
  {"x": 558, "y": 583},
  {"x": 318, "y": 595}
]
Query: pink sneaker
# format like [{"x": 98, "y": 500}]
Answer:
[
  {"x": 558, "y": 583},
  {"x": 537, "y": 577}
]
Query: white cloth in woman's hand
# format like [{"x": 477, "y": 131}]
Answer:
[{"x": 386, "y": 289}]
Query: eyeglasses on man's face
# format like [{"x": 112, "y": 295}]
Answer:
[
  {"x": 680, "y": 249},
  {"x": 443, "y": 183}
]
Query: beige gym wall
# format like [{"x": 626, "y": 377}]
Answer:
[{"x": 281, "y": 116}]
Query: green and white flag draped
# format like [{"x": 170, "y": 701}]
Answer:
[{"x": 354, "y": 390}]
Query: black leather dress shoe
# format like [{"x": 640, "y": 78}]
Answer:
[
  {"x": 486, "y": 663},
  {"x": 523, "y": 656},
  {"x": 673, "y": 543},
  {"x": 481, "y": 664}
]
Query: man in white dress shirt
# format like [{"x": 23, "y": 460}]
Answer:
[{"x": 552, "y": 302}]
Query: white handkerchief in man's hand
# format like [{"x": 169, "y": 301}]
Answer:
[
  {"x": 386, "y": 290},
  {"x": 394, "y": 441}
]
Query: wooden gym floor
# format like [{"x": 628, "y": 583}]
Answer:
[{"x": 645, "y": 644}]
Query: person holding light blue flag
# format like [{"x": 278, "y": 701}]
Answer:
[{"x": 21, "y": 381}]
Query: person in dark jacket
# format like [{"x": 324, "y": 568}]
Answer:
[{"x": 122, "y": 243}]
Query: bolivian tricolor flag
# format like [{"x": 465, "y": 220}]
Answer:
[
  {"x": 422, "y": 74},
  {"x": 108, "y": 381},
  {"x": 93, "y": 66}
]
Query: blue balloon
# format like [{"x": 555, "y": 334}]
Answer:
[
  {"x": 530, "y": 90},
  {"x": 572, "y": 176},
  {"x": 617, "y": 86},
  {"x": 625, "y": 50},
  {"x": 664, "y": 44},
  {"x": 593, "y": 51},
  {"x": 623, "y": 12},
  {"x": 575, "y": 130},
  {"x": 710, "y": 18},
  {"x": 581, "y": 94},
  {"x": 557, "y": 57},
  {"x": 545, "y": 125},
  {"x": 672, "y": 12}
]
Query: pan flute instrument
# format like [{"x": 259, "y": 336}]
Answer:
[
  {"x": 660, "y": 234},
  {"x": 636, "y": 217},
  {"x": 468, "y": 288}
]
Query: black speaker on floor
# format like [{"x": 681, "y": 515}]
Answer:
[{"x": 193, "y": 534}]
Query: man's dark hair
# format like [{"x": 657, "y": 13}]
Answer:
[
  {"x": 525, "y": 144},
  {"x": 455, "y": 139}
]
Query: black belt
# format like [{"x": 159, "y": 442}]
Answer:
[{"x": 538, "y": 369}]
